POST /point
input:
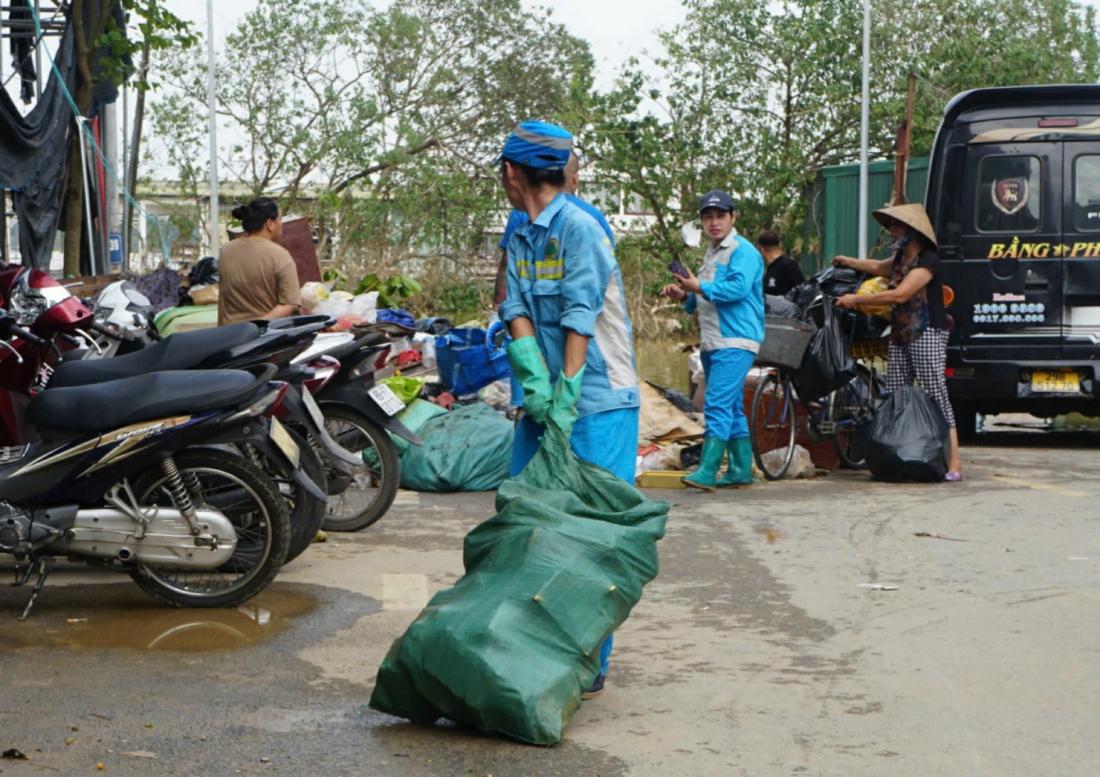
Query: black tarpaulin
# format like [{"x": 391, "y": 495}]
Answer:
[{"x": 33, "y": 158}]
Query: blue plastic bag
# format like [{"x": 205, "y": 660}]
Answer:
[
  {"x": 469, "y": 361},
  {"x": 396, "y": 316}
]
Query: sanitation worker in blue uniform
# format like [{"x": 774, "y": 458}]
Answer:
[
  {"x": 572, "y": 344},
  {"x": 728, "y": 297}
]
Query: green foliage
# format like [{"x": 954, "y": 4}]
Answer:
[
  {"x": 757, "y": 97},
  {"x": 380, "y": 121},
  {"x": 392, "y": 291},
  {"x": 337, "y": 279},
  {"x": 148, "y": 25}
]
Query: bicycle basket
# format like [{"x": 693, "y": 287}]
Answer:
[{"x": 785, "y": 341}]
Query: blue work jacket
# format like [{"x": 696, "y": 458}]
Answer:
[
  {"x": 731, "y": 302},
  {"x": 562, "y": 275}
]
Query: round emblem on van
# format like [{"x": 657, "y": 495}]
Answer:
[{"x": 1010, "y": 195}]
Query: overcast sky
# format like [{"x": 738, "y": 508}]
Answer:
[{"x": 616, "y": 29}]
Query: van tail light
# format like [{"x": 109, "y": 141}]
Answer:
[
  {"x": 1044, "y": 123},
  {"x": 949, "y": 372}
]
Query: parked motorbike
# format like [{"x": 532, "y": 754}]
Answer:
[
  {"x": 55, "y": 314},
  {"x": 358, "y": 413},
  {"x": 361, "y": 415},
  {"x": 122, "y": 479}
]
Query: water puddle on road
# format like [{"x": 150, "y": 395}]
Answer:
[{"x": 160, "y": 628}]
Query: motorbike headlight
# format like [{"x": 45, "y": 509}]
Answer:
[{"x": 28, "y": 303}]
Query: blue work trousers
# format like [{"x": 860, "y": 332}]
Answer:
[
  {"x": 724, "y": 401},
  {"x": 608, "y": 440}
]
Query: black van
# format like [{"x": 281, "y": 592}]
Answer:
[{"x": 1014, "y": 194}]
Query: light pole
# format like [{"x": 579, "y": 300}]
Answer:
[
  {"x": 212, "y": 229},
  {"x": 864, "y": 129}
]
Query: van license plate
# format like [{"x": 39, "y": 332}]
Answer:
[{"x": 1056, "y": 381}]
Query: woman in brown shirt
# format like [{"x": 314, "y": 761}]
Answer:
[{"x": 258, "y": 278}]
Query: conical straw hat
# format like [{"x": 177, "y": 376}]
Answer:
[{"x": 912, "y": 215}]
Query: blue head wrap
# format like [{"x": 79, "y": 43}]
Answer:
[{"x": 538, "y": 144}]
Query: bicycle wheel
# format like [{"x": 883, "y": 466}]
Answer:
[
  {"x": 850, "y": 406},
  {"x": 772, "y": 425}
]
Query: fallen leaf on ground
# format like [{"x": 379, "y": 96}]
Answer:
[
  {"x": 770, "y": 534},
  {"x": 933, "y": 536}
]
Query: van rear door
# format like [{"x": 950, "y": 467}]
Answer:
[
  {"x": 1009, "y": 283},
  {"x": 1081, "y": 245}
]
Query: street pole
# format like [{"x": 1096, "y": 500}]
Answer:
[
  {"x": 212, "y": 229},
  {"x": 864, "y": 129},
  {"x": 125, "y": 178}
]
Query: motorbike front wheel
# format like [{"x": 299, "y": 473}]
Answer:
[
  {"x": 243, "y": 494},
  {"x": 371, "y": 488}
]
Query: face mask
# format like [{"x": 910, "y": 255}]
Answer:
[{"x": 903, "y": 241}]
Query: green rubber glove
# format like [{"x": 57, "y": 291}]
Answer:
[
  {"x": 563, "y": 409},
  {"x": 530, "y": 367}
]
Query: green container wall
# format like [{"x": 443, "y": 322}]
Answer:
[{"x": 839, "y": 205}]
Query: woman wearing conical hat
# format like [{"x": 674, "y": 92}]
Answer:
[{"x": 918, "y": 327}]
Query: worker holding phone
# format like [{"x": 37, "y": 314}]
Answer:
[{"x": 728, "y": 297}]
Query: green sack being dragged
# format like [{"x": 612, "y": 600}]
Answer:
[
  {"x": 467, "y": 449},
  {"x": 511, "y": 646}
]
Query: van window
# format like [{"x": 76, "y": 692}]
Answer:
[
  {"x": 1086, "y": 193},
  {"x": 1009, "y": 190}
]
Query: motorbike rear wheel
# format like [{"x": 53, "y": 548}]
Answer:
[
  {"x": 373, "y": 486},
  {"x": 247, "y": 497}
]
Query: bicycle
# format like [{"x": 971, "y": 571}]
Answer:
[{"x": 773, "y": 417}]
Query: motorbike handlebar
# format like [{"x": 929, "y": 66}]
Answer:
[{"x": 30, "y": 337}]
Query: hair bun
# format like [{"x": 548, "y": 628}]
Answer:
[{"x": 240, "y": 212}]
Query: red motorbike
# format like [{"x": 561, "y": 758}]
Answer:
[{"x": 55, "y": 321}]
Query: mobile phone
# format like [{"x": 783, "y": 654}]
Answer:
[{"x": 677, "y": 268}]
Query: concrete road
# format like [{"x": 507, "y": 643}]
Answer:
[{"x": 758, "y": 650}]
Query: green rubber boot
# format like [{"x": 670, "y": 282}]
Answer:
[
  {"x": 740, "y": 468},
  {"x": 706, "y": 474}
]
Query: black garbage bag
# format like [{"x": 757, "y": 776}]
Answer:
[
  {"x": 205, "y": 272},
  {"x": 679, "y": 399},
  {"x": 836, "y": 281},
  {"x": 857, "y": 325},
  {"x": 690, "y": 456},
  {"x": 826, "y": 365},
  {"x": 906, "y": 439},
  {"x": 803, "y": 294}
]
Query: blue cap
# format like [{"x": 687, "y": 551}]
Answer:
[
  {"x": 538, "y": 144},
  {"x": 718, "y": 199}
]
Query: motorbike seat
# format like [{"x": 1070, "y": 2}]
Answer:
[
  {"x": 182, "y": 351},
  {"x": 118, "y": 403}
]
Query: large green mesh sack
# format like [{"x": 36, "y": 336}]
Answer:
[
  {"x": 511, "y": 646},
  {"x": 467, "y": 449}
]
